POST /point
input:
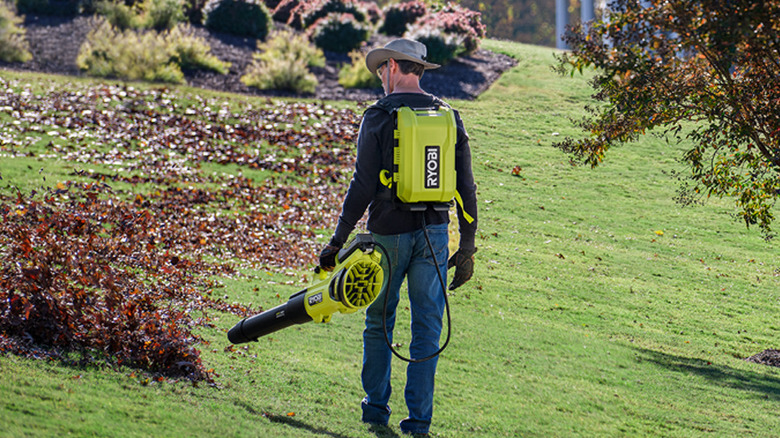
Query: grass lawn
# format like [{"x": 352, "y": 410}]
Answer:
[{"x": 599, "y": 306}]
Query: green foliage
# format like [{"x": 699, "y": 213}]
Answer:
[
  {"x": 397, "y": 16},
  {"x": 148, "y": 56},
  {"x": 705, "y": 71},
  {"x": 307, "y": 13},
  {"x": 237, "y": 17},
  {"x": 442, "y": 47},
  {"x": 118, "y": 14},
  {"x": 13, "y": 45},
  {"x": 162, "y": 14},
  {"x": 283, "y": 64},
  {"x": 339, "y": 33},
  {"x": 356, "y": 75},
  {"x": 191, "y": 52}
]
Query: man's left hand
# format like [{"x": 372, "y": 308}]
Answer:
[{"x": 463, "y": 261}]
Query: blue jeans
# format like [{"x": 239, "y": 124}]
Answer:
[{"x": 410, "y": 257}]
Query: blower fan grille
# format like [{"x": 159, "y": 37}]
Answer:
[{"x": 360, "y": 284}]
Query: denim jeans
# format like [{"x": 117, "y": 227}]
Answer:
[{"x": 410, "y": 258}]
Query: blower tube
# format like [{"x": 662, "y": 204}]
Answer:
[{"x": 353, "y": 284}]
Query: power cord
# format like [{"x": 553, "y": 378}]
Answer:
[{"x": 443, "y": 290}]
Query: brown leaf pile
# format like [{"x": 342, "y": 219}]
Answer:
[{"x": 115, "y": 274}]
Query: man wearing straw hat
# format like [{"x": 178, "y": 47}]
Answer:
[{"x": 400, "y": 65}]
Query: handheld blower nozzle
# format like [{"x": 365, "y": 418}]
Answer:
[{"x": 353, "y": 284}]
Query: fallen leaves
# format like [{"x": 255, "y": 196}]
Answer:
[{"x": 114, "y": 273}]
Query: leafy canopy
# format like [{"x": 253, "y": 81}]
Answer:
[{"x": 708, "y": 71}]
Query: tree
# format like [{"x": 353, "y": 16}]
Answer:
[{"x": 708, "y": 71}]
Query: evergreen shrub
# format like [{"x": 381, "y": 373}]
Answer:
[
  {"x": 237, "y": 17},
  {"x": 339, "y": 32},
  {"x": 456, "y": 20},
  {"x": 398, "y": 16},
  {"x": 442, "y": 47}
]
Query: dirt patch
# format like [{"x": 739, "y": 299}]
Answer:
[
  {"x": 766, "y": 357},
  {"x": 55, "y": 42}
]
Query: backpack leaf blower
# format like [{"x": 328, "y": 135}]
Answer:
[{"x": 353, "y": 284}]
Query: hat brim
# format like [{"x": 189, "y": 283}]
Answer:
[{"x": 376, "y": 57}]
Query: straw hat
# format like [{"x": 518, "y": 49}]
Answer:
[{"x": 401, "y": 50}]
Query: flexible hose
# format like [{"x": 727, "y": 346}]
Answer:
[{"x": 443, "y": 290}]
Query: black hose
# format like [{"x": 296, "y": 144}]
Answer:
[{"x": 443, "y": 289}]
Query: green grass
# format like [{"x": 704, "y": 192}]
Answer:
[{"x": 599, "y": 307}]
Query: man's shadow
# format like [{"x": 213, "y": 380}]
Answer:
[{"x": 382, "y": 431}]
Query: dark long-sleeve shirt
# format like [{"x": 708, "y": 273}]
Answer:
[{"x": 375, "y": 153}]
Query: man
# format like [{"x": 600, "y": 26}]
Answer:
[{"x": 400, "y": 65}]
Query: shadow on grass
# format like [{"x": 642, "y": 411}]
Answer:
[{"x": 763, "y": 385}]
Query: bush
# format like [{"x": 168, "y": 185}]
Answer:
[
  {"x": 192, "y": 53},
  {"x": 462, "y": 22},
  {"x": 193, "y": 10},
  {"x": 283, "y": 10},
  {"x": 161, "y": 14},
  {"x": 339, "y": 33},
  {"x": 237, "y": 17},
  {"x": 13, "y": 45},
  {"x": 126, "y": 54},
  {"x": 148, "y": 56},
  {"x": 283, "y": 64},
  {"x": 442, "y": 47},
  {"x": 49, "y": 7},
  {"x": 309, "y": 12},
  {"x": 356, "y": 75},
  {"x": 400, "y": 15},
  {"x": 118, "y": 14}
]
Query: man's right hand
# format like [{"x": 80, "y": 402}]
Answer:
[{"x": 328, "y": 257}]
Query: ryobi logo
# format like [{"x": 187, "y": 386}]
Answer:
[
  {"x": 315, "y": 299},
  {"x": 432, "y": 167}
]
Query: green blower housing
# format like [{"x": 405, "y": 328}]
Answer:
[{"x": 353, "y": 284}]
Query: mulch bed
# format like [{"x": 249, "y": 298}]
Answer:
[{"x": 55, "y": 42}]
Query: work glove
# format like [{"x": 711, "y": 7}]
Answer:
[
  {"x": 463, "y": 261},
  {"x": 328, "y": 257}
]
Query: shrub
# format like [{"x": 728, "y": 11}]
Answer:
[
  {"x": 149, "y": 56},
  {"x": 442, "y": 47},
  {"x": 356, "y": 75},
  {"x": 118, "y": 14},
  {"x": 283, "y": 64},
  {"x": 48, "y": 7},
  {"x": 161, "y": 14},
  {"x": 400, "y": 15},
  {"x": 283, "y": 10},
  {"x": 309, "y": 12},
  {"x": 13, "y": 45},
  {"x": 193, "y": 10},
  {"x": 457, "y": 20},
  {"x": 126, "y": 54},
  {"x": 193, "y": 53},
  {"x": 237, "y": 17},
  {"x": 339, "y": 33}
]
